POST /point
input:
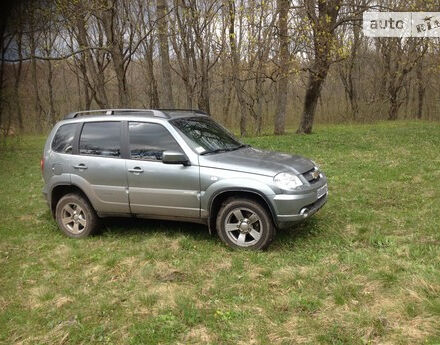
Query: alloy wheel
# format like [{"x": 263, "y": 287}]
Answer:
[
  {"x": 243, "y": 227},
  {"x": 73, "y": 218}
]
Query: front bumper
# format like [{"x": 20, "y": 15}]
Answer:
[{"x": 293, "y": 208}]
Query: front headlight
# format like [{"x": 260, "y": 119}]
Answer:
[{"x": 287, "y": 181}]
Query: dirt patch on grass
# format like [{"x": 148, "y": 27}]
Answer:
[
  {"x": 35, "y": 295},
  {"x": 63, "y": 300},
  {"x": 287, "y": 332},
  {"x": 94, "y": 272},
  {"x": 198, "y": 335},
  {"x": 165, "y": 273},
  {"x": 166, "y": 294},
  {"x": 62, "y": 251},
  {"x": 418, "y": 328},
  {"x": 3, "y": 304},
  {"x": 130, "y": 262},
  {"x": 170, "y": 276},
  {"x": 27, "y": 218}
]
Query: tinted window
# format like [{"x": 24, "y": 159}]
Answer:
[
  {"x": 205, "y": 135},
  {"x": 63, "y": 140},
  {"x": 101, "y": 139},
  {"x": 150, "y": 140}
]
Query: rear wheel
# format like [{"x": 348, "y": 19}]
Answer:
[
  {"x": 75, "y": 216},
  {"x": 244, "y": 223}
]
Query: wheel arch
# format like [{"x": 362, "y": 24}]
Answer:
[
  {"x": 60, "y": 190},
  {"x": 219, "y": 197}
]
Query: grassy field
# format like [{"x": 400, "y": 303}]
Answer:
[{"x": 364, "y": 270}]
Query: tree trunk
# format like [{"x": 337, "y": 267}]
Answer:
[
  {"x": 152, "y": 83},
  {"x": 52, "y": 118},
  {"x": 85, "y": 82},
  {"x": 353, "y": 102},
  {"x": 114, "y": 41},
  {"x": 313, "y": 91},
  {"x": 420, "y": 89},
  {"x": 3, "y": 49},
  {"x": 97, "y": 78},
  {"x": 323, "y": 37},
  {"x": 17, "y": 82},
  {"x": 281, "y": 98},
  {"x": 394, "y": 105},
  {"x": 236, "y": 69},
  {"x": 204, "y": 90},
  {"x": 227, "y": 97},
  {"x": 162, "y": 27},
  {"x": 79, "y": 91},
  {"x": 119, "y": 68},
  {"x": 37, "y": 105},
  {"x": 184, "y": 51},
  {"x": 259, "y": 98}
]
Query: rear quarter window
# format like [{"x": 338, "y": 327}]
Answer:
[{"x": 63, "y": 140}]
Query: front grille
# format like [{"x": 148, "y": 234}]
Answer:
[{"x": 309, "y": 175}]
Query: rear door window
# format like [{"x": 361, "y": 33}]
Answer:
[
  {"x": 101, "y": 139},
  {"x": 63, "y": 140}
]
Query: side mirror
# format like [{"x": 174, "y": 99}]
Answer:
[{"x": 171, "y": 157}]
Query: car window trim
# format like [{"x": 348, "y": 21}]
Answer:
[
  {"x": 146, "y": 159},
  {"x": 120, "y": 140},
  {"x": 125, "y": 140},
  {"x": 75, "y": 148}
]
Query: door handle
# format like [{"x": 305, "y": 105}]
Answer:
[
  {"x": 80, "y": 166},
  {"x": 136, "y": 170}
]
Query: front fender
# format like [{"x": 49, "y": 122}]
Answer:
[{"x": 235, "y": 185}]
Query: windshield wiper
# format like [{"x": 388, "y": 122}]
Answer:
[
  {"x": 240, "y": 147},
  {"x": 224, "y": 149},
  {"x": 214, "y": 151}
]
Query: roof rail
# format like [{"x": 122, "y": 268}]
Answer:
[
  {"x": 113, "y": 112},
  {"x": 196, "y": 111}
]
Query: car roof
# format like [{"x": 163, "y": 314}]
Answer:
[{"x": 106, "y": 114}]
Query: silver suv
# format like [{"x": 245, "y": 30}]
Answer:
[{"x": 174, "y": 164}]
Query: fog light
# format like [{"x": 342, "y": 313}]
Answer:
[{"x": 304, "y": 212}]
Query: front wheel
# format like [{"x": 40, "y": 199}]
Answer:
[{"x": 244, "y": 223}]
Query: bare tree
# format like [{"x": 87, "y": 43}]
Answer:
[
  {"x": 33, "y": 35},
  {"x": 162, "y": 28},
  {"x": 235, "y": 58},
  {"x": 18, "y": 68},
  {"x": 421, "y": 87},
  {"x": 399, "y": 56},
  {"x": 323, "y": 18},
  {"x": 93, "y": 61},
  {"x": 111, "y": 19},
  {"x": 347, "y": 68},
  {"x": 282, "y": 87},
  {"x": 4, "y": 44},
  {"x": 147, "y": 48}
]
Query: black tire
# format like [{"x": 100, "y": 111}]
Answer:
[
  {"x": 249, "y": 233},
  {"x": 83, "y": 218}
]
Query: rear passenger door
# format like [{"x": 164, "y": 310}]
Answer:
[
  {"x": 155, "y": 188},
  {"x": 98, "y": 167}
]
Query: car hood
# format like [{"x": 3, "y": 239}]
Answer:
[{"x": 257, "y": 161}]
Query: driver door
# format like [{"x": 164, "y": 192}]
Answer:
[{"x": 155, "y": 188}]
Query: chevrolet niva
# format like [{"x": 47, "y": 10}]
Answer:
[{"x": 175, "y": 165}]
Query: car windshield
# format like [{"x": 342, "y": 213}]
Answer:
[{"x": 205, "y": 136}]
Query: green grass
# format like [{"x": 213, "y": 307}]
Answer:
[{"x": 364, "y": 270}]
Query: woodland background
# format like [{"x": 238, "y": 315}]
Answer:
[{"x": 257, "y": 66}]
